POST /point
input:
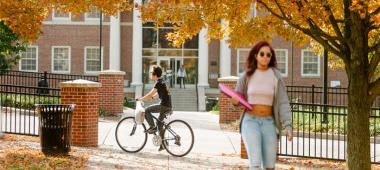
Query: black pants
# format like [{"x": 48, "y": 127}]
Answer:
[
  {"x": 181, "y": 80},
  {"x": 156, "y": 108}
]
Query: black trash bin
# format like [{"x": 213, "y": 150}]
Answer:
[{"x": 55, "y": 128}]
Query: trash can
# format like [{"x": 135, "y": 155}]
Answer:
[{"x": 55, "y": 128}]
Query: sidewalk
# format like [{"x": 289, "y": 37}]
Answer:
[{"x": 213, "y": 148}]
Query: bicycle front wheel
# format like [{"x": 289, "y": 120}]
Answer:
[
  {"x": 130, "y": 136},
  {"x": 178, "y": 138}
]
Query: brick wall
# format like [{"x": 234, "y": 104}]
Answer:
[
  {"x": 111, "y": 93},
  {"x": 85, "y": 95},
  {"x": 228, "y": 112}
]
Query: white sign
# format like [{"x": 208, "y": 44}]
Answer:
[{"x": 334, "y": 83}]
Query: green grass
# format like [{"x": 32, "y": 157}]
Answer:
[{"x": 336, "y": 124}]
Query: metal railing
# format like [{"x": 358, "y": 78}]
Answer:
[
  {"x": 314, "y": 138},
  {"x": 314, "y": 95},
  {"x": 31, "y": 79},
  {"x": 17, "y": 107}
]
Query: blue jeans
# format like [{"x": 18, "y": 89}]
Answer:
[{"x": 260, "y": 139}]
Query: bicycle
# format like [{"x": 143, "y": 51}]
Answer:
[{"x": 132, "y": 137}]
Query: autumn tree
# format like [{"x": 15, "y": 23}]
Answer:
[
  {"x": 21, "y": 21},
  {"x": 348, "y": 29},
  {"x": 10, "y": 46}
]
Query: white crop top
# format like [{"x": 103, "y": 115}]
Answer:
[{"x": 261, "y": 87}]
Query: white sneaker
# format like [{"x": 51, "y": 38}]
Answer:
[{"x": 1, "y": 135}]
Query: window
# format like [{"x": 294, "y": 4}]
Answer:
[
  {"x": 93, "y": 14},
  {"x": 61, "y": 15},
  {"x": 253, "y": 12},
  {"x": 242, "y": 56},
  {"x": 310, "y": 64},
  {"x": 282, "y": 61},
  {"x": 28, "y": 59},
  {"x": 92, "y": 59},
  {"x": 61, "y": 59}
]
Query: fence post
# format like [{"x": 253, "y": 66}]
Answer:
[
  {"x": 1, "y": 119},
  {"x": 312, "y": 94},
  {"x": 112, "y": 91},
  {"x": 85, "y": 95}
]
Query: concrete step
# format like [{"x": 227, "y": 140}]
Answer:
[{"x": 182, "y": 99}]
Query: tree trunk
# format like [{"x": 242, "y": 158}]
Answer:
[{"x": 359, "y": 109}]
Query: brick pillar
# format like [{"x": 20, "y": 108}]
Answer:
[
  {"x": 85, "y": 95},
  {"x": 111, "y": 94},
  {"x": 227, "y": 112}
]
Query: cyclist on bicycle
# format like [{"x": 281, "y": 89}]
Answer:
[{"x": 163, "y": 107}]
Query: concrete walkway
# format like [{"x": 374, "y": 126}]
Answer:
[{"x": 213, "y": 148}]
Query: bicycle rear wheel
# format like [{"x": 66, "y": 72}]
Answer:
[
  {"x": 130, "y": 136},
  {"x": 178, "y": 138}
]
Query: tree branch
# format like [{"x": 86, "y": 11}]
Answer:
[
  {"x": 375, "y": 59},
  {"x": 332, "y": 20},
  {"x": 375, "y": 12},
  {"x": 374, "y": 89},
  {"x": 375, "y": 48},
  {"x": 306, "y": 31}
]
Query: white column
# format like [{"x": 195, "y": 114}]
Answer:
[
  {"x": 202, "y": 69},
  {"x": 115, "y": 43},
  {"x": 225, "y": 59},
  {"x": 137, "y": 52},
  {"x": 225, "y": 54},
  {"x": 203, "y": 59}
]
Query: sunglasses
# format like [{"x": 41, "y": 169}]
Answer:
[{"x": 262, "y": 54}]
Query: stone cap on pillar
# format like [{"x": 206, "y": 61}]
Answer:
[
  {"x": 228, "y": 79},
  {"x": 79, "y": 83},
  {"x": 112, "y": 72}
]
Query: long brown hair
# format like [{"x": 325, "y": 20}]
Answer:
[{"x": 251, "y": 64}]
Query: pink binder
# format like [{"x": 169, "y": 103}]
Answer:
[{"x": 232, "y": 93}]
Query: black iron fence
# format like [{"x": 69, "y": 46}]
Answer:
[
  {"x": 316, "y": 138},
  {"x": 41, "y": 79},
  {"x": 20, "y": 91},
  {"x": 314, "y": 95},
  {"x": 17, "y": 107}
]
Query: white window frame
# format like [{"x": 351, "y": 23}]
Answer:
[
  {"x": 85, "y": 59},
  {"x": 286, "y": 61},
  {"x": 302, "y": 62},
  {"x": 253, "y": 13},
  {"x": 52, "y": 59},
  {"x": 61, "y": 18},
  {"x": 86, "y": 18},
  {"x": 36, "y": 70},
  {"x": 238, "y": 58}
]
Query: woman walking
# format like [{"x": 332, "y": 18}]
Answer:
[{"x": 264, "y": 89}]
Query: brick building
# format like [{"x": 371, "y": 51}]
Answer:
[{"x": 70, "y": 45}]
